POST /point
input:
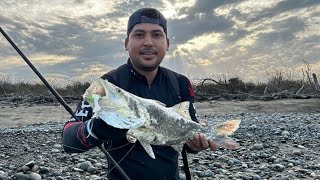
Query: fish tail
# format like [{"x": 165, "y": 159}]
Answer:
[
  {"x": 226, "y": 128},
  {"x": 227, "y": 143},
  {"x": 222, "y": 131}
]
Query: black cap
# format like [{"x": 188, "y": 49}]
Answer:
[{"x": 147, "y": 15}]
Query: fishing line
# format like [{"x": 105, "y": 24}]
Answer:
[{"x": 123, "y": 157}]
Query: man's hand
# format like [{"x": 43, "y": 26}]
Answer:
[{"x": 200, "y": 142}]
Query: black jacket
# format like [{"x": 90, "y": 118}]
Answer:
[{"x": 134, "y": 160}]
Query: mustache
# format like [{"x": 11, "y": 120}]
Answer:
[{"x": 147, "y": 50}]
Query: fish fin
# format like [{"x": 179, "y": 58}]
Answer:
[
  {"x": 122, "y": 122},
  {"x": 162, "y": 104},
  {"x": 227, "y": 143},
  {"x": 226, "y": 128},
  {"x": 147, "y": 147},
  {"x": 183, "y": 109},
  {"x": 177, "y": 147}
]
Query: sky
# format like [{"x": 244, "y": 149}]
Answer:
[{"x": 83, "y": 39}]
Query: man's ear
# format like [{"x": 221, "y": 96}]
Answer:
[
  {"x": 168, "y": 43},
  {"x": 126, "y": 43}
]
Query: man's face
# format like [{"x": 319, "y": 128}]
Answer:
[{"x": 147, "y": 44}]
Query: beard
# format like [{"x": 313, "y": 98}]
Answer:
[
  {"x": 149, "y": 68},
  {"x": 146, "y": 67}
]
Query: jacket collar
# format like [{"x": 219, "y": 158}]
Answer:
[{"x": 137, "y": 74}]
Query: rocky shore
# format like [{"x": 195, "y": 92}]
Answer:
[{"x": 273, "y": 146}]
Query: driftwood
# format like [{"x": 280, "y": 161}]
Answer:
[
  {"x": 235, "y": 91},
  {"x": 316, "y": 82},
  {"x": 203, "y": 81},
  {"x": 265, "y": 90},
  {"x": 300, "y": 89},
  {"x": 32, "y": 99}
]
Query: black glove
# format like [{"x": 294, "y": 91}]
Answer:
[{"x": 106, "y": 132}]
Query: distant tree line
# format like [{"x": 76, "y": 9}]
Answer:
[{"x": 278, "y": 87}]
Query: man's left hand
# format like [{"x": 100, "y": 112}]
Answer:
[{"x": 200, "y": 142}]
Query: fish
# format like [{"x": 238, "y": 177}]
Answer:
[{"x": 150, "y": 122}]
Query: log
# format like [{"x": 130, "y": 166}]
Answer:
[
  {"x": 300, "y": 89},
  {"x": 302, "y": 96},
  {"x": 316, "y": 82}
]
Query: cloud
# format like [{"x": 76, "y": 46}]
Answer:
[
  {"x": 282, "y": 7},
  {"x": 199, "y": 19}
]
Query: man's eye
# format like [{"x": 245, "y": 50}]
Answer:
[
  {"x": 138, "y": 35},
  {"x": 158, "y": 35}
]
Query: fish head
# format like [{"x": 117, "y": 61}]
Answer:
[
  {"x": 95, "y": 89},
  {"x": 105, "y": 89}
]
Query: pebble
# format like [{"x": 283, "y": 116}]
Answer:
[
  {"x": 57, "y": 146},
  {"x": 217, "y": 164},
  {"x": 94, "y": 177},
  {"x": 85, "y": 165},
  {"x": 34, "y": 176},
  {"x": 91, "y": 169},
  {"x": 258, "y": 146},
  {"x": 44, "y": 170},
  {"x": 3, "y": 175},
  {"x": 55, "y": 150},
  {"x": 278, "y": 167},
  {"x": 297, "y": 152},
  {"x": 256, "y": 177},
  {"x": 22, "y": 176}
]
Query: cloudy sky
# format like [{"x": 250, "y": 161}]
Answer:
[{"x": 82, "y": 39}]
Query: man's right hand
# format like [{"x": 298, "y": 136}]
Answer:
[{"x": 200, "y": 142}]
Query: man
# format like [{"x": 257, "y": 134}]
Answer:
[{"x": 143, "y": 76}]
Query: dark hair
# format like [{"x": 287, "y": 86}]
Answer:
[{"x": 147, "y": 15}]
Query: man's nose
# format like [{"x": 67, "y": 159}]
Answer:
[{"x": 148, "y": 41}]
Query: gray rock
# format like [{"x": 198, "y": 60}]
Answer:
[
  {"x": 91, "y": 169},
  {"x": 285, "y": 178},
  {"x": 256, "y": 177},
  {"x": 34, "y": 176},
  {"x": 59, "y": 178},
  {"x": 78, "y": 169},
  {"x": 57, "y": 146},
  {"x": 44, "y": 170},
  {"x": 94, "y": 177},
  {"x": 297, "y": 152},
  {"x": 22, "y": 176},
  {"x": 285, "y": 133},
  {"x": 35, "y": 168},
  {"x": 258, "y": 146},
  {"x": 217, "y": 164},
  {"x": 278, "y": 167},
  {"x": 84, "y": 165},
  {"x": 55, "y": 150},
  {"x": 3, "y": 175},
  {"x": 24, "y": 169}
]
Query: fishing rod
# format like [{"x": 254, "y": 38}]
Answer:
[{"x": 59, "y": 98}]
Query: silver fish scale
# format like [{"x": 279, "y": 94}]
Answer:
[{"x": 167, "y": 127}]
